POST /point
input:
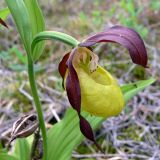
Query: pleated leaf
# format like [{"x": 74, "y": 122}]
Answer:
[
  {"x": 66, "y": 135},
  {"x": 22, "y": 149},
  {"x": 21, "y": 17},
  {"x": 29, "y": 21},
  {"x": 37, "y": 24}
]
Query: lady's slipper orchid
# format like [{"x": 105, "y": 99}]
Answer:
[{"x": 89, "y": 85}]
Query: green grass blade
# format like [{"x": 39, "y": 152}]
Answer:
[
  {"x": 37, "y": 24},
  {"x": 65, "y": 135},
  {"x": 21, "y": 18},
  {"x": 130, "y": 90},
  {"x": 4, "y": 13},
  {"x": 22, "y": 58},
  {"x": 52, "y": 35},
  {"x": 7, "y": 157}
]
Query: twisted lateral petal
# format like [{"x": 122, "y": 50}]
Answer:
[
  {"x": 124, "y": 36},
  {"x": 74, "y": 96},
  {"x": 72, "y": 85},
  {"x": 88, "y": 132}
]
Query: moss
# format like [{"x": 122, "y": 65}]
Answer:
[
  {"x": 139, "y": 72},
  {"x": 131, "y": 132},
  {"x": 157, "y": 117}
]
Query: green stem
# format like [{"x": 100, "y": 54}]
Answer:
[{"x": 37, "y": 104}]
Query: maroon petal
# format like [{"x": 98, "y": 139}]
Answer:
[
  {"x": 62, "y": 68},
  {"x": 124, "y": 36},
  {"x": 72, "y": 84},
  {"x": 74, "y": 96},
  {"x": 3, "y": 23},
  {"x": 88, "y": 132},
  {"x": 62, "y": 65}
]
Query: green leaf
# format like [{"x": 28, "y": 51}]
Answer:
[
  {"x": 65, "y": 135},
  {"x": 130, "y": 90},
  {"x": 29, "y": 21},
  {"x": 22, "y": 58},
  {"x": 23, "y": 67},
  {"x": 7, "y": 157},
  {"x": 4, "y": 13},
  {"x": 3, "y": 150},
  {"x": 37, "y": 24},
  {"x": 52, "y": 35},
  {"x": 21, "y": 18},
  {"x": 22, "y": 149}
]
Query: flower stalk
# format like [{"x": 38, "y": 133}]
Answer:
[{"x": 37, "y": 104}]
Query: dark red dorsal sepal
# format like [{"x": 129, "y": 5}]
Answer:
[{"x": 125, "y": 36}]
